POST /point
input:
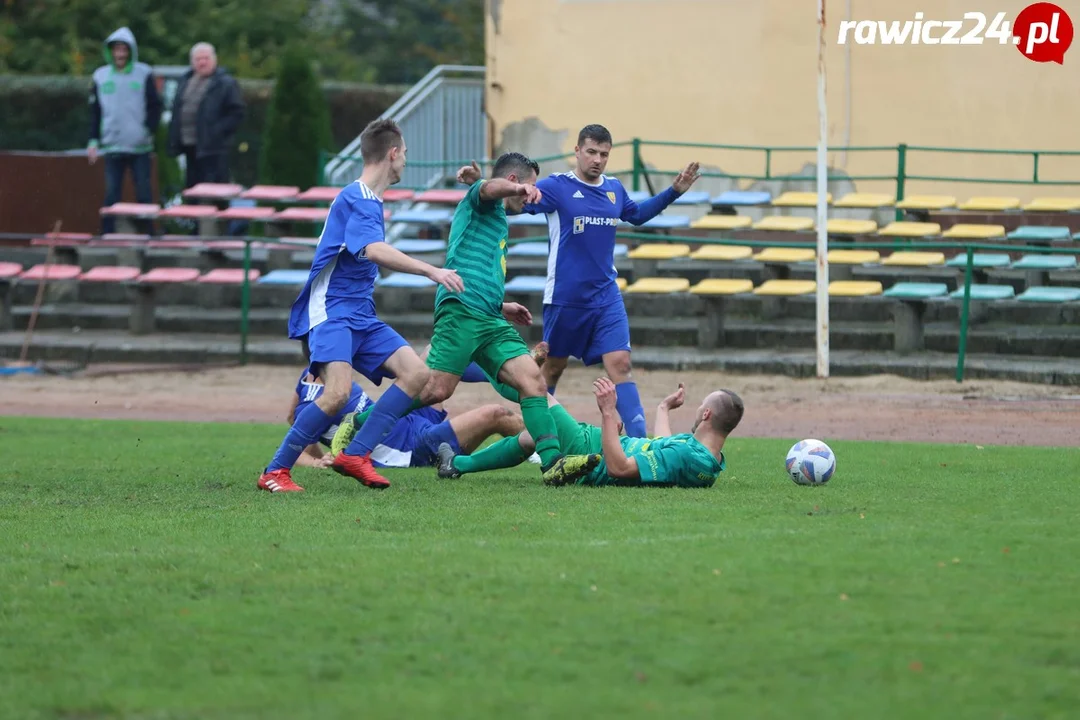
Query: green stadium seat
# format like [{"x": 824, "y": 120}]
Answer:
[
  {"x": 1050, "y": 294},
  {"x": 980, "y": 260},
  {"x": 1040, "y": 233},
  {"x": 1045, "y": 262},
  {"x": 916, "y": 291},
  {"x": 985, "y": 292}
]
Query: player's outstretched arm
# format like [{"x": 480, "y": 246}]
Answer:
[
  {"x": 499, "y": 188},
  {"x": 384, "y": 255},
  {"x": 639, "y": 214},
  {"x": 662, "y": 428},
  {"x": 618, "y": 465}
]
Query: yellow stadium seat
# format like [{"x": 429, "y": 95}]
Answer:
[
  {"x": 990, "y": 203},
  {"x": 865, "y": 200},
  {"x": 853, "y": 257},
  {"x": 785, "y": 223},
  {"x": 799, "y": 199},
  {"x": 854, "y": 288},
  {"x": 659, "y": 285},
  {"x": 843, "y": 226},
  {"x": 786, "y": 287},
  {"x": 914, "y": 259},
  {"x": 785, "y": 255},
  {"x": 722, "y": 252},
  {"x": 975, "y": 232},
  {"x": 902, "y": 228},
  {"x": 658, "y": 251},
  {"x": 721, "y": 222},
  {"x": 927, "y": 202},
  {"x": 722, "y": 286},
  {"x": 1053, "y": 204},
  {"x": 621, "y": 282}
]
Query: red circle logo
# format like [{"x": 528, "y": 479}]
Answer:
[{"x": 1043, "y": 32}]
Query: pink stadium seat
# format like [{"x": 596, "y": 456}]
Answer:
[
  {"x": 137, "y": 210},
  {"x": 228, "y": 276},
  {"x": 106, "y": 273},
  {"x": 319, "y": 194},
  {"x": 121, "y": 237},
  {"x": 302, "y": 214},
  {"x": 9, "y": 270},
  {"x": 309, "y": 242},
  {"x": 62, "y": 240},
  {"x": 52, "y": 272},
  {"x": 213, "y": 191},
  {"x": 270, "y": 192},
  {"x": 74, "y": 237},
  {"x": 169, "y": 275},
  {"x": 189, "y": 211},
  {"x": 451, "y": 197},
  {"x": 397, "y": 195},
  {"x": 173, "y": 242},
  {"x": 224, "y": 245},
  {"x": 246, "y": 213}
]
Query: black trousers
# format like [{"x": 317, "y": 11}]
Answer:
[{"x": 208, "y": 169}]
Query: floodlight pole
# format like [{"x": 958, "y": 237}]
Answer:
[{"x": 822, "y": 274}]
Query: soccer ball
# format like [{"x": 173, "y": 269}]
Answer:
[{"x": 810, "y": 462}]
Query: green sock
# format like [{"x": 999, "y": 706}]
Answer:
[
  {"x": 502, "y": 454},
  {"x": 361, "y": 418},
  {"x": 539, "y": 423}
]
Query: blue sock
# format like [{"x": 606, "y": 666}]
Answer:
[
  {"x": 473, "y": 374},
  {"x": 384, "y": 413},
  {"x": 628, "y": 403},
  {"x": 307, "y": 428}
]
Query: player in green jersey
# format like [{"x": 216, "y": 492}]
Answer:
[
  {"x": 474, "y": 325},
  {"x": 693, "y": 459}
]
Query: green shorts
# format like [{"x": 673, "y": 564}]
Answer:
[{"x": 462, "y": 336}]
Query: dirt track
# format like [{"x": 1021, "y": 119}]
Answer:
[{"x": 878, "y": 408}]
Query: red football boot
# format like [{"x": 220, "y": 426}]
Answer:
[
  {"x": 360, "y": 468},
  {"x": 277, "y": 481}
]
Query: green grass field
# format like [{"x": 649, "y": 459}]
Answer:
[{"x": 143, "y": 576}]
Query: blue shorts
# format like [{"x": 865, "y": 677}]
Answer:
[
  {"x": 419, "y": 433},
  {"x": 364, "y": 343},
  {"x": 586, "y": 333}
]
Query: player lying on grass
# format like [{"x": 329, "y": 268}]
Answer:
[
  {"x": 334, "y": 317},
  {"x": 474, "y": 326},
  {"x": 414, "y": 439},
  {"x": 693, "y": 459},
  {"x": 584, "y": 313}
]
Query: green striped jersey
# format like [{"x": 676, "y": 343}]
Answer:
[{"x": 477, "y": 251}]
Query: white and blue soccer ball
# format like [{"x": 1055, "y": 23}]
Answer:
[{"x": 810, "y": 462}]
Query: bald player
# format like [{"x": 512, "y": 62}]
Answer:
[{"x": 693, "y": 459}]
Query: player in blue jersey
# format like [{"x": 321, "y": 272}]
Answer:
[
  {"x": 334, "y": 317},
  {"x": 584, "y": 314},
  {"x": 414, "y": 439}
]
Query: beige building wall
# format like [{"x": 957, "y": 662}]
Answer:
[{"x": 744, "y": 72}]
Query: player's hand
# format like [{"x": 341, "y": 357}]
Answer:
[
  {"x": 469, "y": 174},
  {"x": 604, "y": 390},
  {"x": 675, "y": 399},
  {"x": 531, "y": 193},
  {"x": 449, "y": 279},
  {"x": 325, "y": 461},
  {"x": 686, "y": 178},
  {"x": 517, "y": 313}
]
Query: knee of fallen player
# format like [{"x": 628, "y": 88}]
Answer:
[{"x": 504, "y": 421}]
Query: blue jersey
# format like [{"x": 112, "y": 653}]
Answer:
[
  {"x": 582, "y": 221},
  {"x": 309, "y": 392},
  {"x": 342, "y": 279}
]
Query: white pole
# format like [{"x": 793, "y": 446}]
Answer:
[{"x": 822, "y": 209}]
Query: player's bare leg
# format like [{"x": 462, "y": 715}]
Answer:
[
  {"x": 355, "y": 462},
  {"x": 552, "y": 370},
  {"x": 475, "y": 426},
  {"x": 440, "y": 386}
]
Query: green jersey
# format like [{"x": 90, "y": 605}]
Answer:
[
  {"x": 477, "y": 250},
  {"x": 676, "y": 460}
]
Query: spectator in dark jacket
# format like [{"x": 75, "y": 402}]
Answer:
[
  {"x": 206, "y": 113},
  {"x": 125, "y": 110}
]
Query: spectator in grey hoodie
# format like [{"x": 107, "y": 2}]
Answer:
[{"x": 125, "y": 110}]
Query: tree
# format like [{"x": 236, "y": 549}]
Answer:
[{"x": 297, "y": 124}]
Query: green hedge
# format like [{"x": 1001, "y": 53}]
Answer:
[{"x": 49, "y": 113}]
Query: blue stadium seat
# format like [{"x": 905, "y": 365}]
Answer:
[
  {"x": 1050, "y": 294},
  {"x": 411, "y": 245},
  {"x": 404, "y": 280},
  {"x": 433, "y": 217},
  {"x": 527, "y": 220},
  {"x": 284, "y": 277},
  {"x": 743, "y": 197},
  {"x": 665, "y": 222},
  {"x": 693, "y": 197},
  {"x": 980, "y": 260},
  {"x": 527, "y": 283},
  {"x": 1040, "y": 233},
  {"x": 528, "y": 249}
]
